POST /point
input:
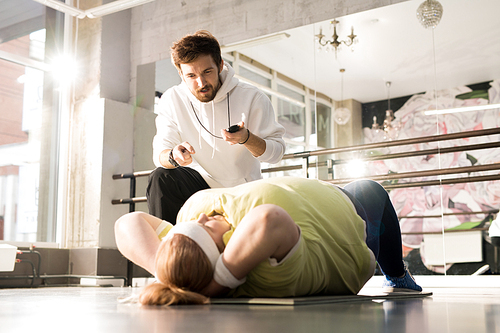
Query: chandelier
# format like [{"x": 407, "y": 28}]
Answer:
[
  {"x": 429, "y": 13},
  {"x": 335, "y": 43},
  {"x": 342, "y": 114},
  {"x": 390, "y": 129}
]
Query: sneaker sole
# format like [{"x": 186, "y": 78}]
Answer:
[{"x": 400, "y": 290}]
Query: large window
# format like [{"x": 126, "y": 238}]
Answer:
[
  {"x": 292, "y": 115},
  {"x": 21, "y": 95},
  {"x": 303, "y": 121},
  {"x": 289, "y": 101}
]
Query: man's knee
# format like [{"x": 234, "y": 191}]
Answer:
[
  {"x": 159, "y": 173},
  {"x": 161, "y": 178}
]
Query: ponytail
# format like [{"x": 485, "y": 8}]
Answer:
[
  {"x": 161, "y": 294},
  {"x": 183, "y": 270}
]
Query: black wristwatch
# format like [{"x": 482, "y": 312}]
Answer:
[{"x": 171, "y": 159}]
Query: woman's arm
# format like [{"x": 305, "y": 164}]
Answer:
[
  {"x": 267, "y": 231},
  {"x": 137, "y": 240}
]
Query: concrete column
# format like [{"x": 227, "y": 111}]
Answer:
[{"x": 101, "y": 130}]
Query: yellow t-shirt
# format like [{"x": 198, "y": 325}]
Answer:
[{"x": 332, "y": 257}]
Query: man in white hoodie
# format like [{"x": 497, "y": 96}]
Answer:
[{"x": 194, "y": 147}]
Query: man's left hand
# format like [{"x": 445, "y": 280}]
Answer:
[{"x": 239, "y": 136}]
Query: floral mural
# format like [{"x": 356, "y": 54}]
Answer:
[{"x": 434, "y": 200}]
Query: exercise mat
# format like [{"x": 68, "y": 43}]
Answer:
[{"x": 308, "y": 300}]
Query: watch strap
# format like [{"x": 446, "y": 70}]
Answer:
[{"x": 171, "y": 159}]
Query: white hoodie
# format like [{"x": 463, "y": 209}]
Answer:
[{"x": 218, "y": 162}]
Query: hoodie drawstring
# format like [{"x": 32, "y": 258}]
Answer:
[
  {"x": 199, "y": 128},
  {"x": 214, "y": 142}
]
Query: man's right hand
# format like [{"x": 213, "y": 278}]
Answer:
[{"x": 181, "y": 154}]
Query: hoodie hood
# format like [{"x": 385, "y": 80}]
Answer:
[{"x": 228, "y": 82}]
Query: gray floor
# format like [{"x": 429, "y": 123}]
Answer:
[{"x": 459, "y": 304}]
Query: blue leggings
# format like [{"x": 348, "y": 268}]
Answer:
[{"x": 383, "y": 234}]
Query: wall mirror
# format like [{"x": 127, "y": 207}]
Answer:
[{"x": 397, "y": 64}]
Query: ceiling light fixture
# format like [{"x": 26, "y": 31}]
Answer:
[
  {"x": 113, "y": 7},
  {"x": 429, "y": 13},
  {"x": 62, "y": 7},
  {"x": 391, "y": 127},
  {"x": 98, "y": 11},
  {"x": 342, "y": 114},
  {"x": 254, "y": 42},
  {"x": 463, "y": 109},
  {"x": 335, "y": 42}
]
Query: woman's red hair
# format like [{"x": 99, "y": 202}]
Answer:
[{"x": 183, "y": 270}]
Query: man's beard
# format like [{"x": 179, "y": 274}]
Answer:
[{"x": 208, "y": 96}]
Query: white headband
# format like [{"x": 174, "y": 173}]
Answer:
[{"x": 200, "y": 236}]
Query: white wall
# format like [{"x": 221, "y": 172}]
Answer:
[
  {"x": 156, "y": 25},
  {"x": 103, "y": 146}
]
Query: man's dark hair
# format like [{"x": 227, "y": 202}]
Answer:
[{"x": 190, "y": 47}]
